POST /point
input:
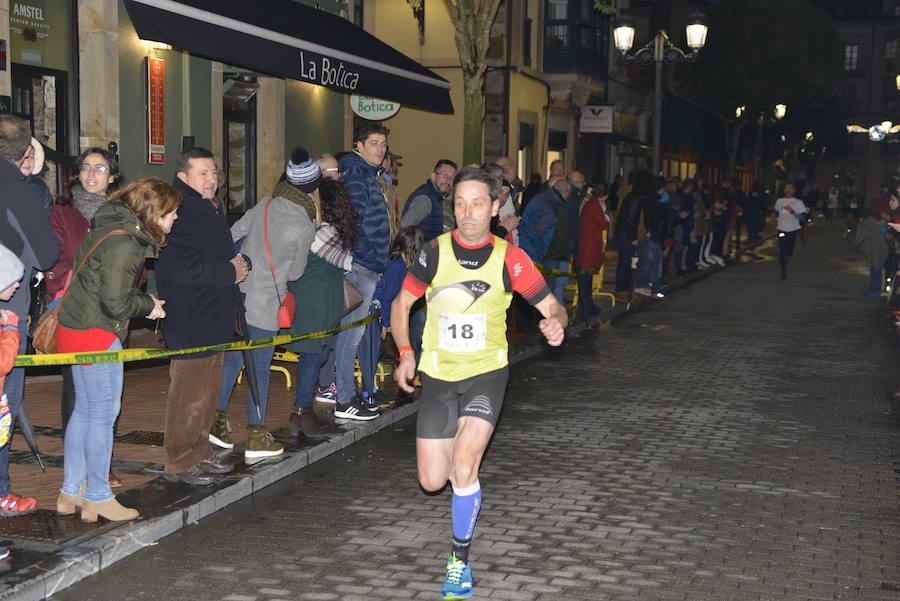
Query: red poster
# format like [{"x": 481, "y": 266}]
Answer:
[{"x": 156, "y": 111}]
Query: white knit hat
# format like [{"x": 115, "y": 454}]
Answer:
[{"x": 11, "y": 268}]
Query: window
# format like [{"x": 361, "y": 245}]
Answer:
[
  {"x": 557, "y": 10},
  {"x": 526, "y": 42},
  {"x": 851, "y": 57}
]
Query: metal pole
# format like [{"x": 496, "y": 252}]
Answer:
[{"x": 658, "y": 48}]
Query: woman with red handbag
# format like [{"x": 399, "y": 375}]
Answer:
[{"x": 276, "y": 236}]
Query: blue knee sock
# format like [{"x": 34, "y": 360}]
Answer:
[{"x": 464, "y": 510}]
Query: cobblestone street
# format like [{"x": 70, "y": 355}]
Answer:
[{"x": 737, "y": 441}]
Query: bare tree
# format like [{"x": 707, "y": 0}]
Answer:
[{"x": 473, "y": 20}]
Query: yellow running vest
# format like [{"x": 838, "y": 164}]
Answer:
[{"x": 465, "y": 331}]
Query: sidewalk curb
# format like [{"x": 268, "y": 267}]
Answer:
[{"x": 93, "y": 552}]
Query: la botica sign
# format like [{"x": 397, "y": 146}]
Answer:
[{"x": 373, "y": 109}]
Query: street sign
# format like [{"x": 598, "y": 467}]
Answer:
[{"x": 596, "y": 119}]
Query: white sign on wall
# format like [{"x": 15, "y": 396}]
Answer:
[
  {"x": 596, "y": 119},
  {"x": 374, "y": 109}
]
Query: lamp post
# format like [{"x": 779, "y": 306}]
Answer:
[{"x": 659, "y": 50}]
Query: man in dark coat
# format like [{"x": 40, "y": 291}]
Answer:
[
  {"x": 197, "y": 275},
  {"x": 25, "y": 230}
]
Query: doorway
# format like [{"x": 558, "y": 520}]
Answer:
[
  {"x": 39, "y": 97},
  {"x": 239, "y": 161}
]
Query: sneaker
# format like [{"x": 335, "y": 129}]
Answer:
[
  {"x": 382, "y": 401},
  {"x": 369, "y": 401},
  {"x": 220, "y": 432},
  {"x": 261, "y": 443},
  {"x": 4, "y": 552},
  {"x": 11, "y": 505},
  {"x": 458, "y": 582},
  {"x": 719, "y": 260},
  {"x": 355, "y": 409},
  {"x": 643, "y": 291},
  {"x": 327, "y": 395}
]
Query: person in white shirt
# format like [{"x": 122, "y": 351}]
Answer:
[{"x": 789, "y": 210}]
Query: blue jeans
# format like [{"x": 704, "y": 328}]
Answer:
[
  {"x": 557, "y": 284},
  {"x": 647, "y": 275},
  {"x": 308, "y": 375},
  {"x": 262, "y": 360},
  {"x": 347, "y": 343},
  {"x": 89, "y": 435},
  {"x": 14, "y": 388}
]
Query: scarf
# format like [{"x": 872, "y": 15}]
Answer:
[
  {"x": 327, "y": 246},
  {"x": 310, "y": 202},
  {"x": 85, "y": 202}
]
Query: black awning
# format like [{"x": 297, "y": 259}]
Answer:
[{"x": 286, "y": 39}]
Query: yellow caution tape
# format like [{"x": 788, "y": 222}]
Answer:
[
  {"x": 142, "y": 354},
  {"x": 555, "y": 273}
]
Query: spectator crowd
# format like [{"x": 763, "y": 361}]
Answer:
[{"x": 330, "y": 245}]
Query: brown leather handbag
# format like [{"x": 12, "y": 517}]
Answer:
[{"x": 44, "y": 339}]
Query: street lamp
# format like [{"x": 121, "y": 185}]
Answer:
[
  {"x": 659, "y": 50},
  {"x": 780, "y": 111},
  {"x": 739, "y": 111}
]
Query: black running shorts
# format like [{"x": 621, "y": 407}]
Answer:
[{"x": 442, "y": 403}]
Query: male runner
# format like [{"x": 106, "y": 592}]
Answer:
[{"x": 468, "y": 276}]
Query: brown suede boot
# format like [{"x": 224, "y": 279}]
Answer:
[
  {"x": 310, "y": 426},
  {"x": 67, "y": 504},
  {"x": 111, "y": 510}
]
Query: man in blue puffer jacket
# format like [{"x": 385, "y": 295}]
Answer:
[{"x": 360, "y": 170}]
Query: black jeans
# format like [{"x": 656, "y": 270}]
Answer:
[
  {"x": 786, "y": 243},
  {"x": 623, "y": 267}
]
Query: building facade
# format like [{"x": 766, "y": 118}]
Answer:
[{"x": 868, "y": 94}]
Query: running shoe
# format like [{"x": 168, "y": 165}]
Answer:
[
  {"x": 383, "y": 401},
  {"x": 327, "y": 395},
  {"x": 369, "y": 401},
  {"x": 11, "y": 505},
  {"x": 355, "y": 410},
  {"x": 458, "y": 582},
  {"x": 4, "y": 552}
]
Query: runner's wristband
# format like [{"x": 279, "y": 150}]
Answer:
[{"x": 403, "y": 349}]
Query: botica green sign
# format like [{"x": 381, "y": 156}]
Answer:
[{"x": 373, "y": 109}]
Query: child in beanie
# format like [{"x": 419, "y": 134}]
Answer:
[{"x": 11, "y": 271}]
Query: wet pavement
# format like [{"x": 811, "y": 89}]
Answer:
[{"x": 736, "y": 441}]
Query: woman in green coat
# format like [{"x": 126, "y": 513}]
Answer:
[
  {"x": 320, "y": 297},
  {"x": 94, "y": 314}
]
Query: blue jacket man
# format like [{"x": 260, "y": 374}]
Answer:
[
  {"x": 361, "y": 171},
  {"x": 373, "y": 237}
]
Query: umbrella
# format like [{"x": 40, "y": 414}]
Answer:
[
  {"x": 370, "y": 349},
  {"x": 249, "y": 370},
  {"x": 27, "y": 429}
]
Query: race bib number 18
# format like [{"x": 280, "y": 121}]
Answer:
[{"x": 462, "y": 333}]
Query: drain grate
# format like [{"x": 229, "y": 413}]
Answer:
[
  {"x": 144, "y": 437},
  {"x": 44, "y": 526}
]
